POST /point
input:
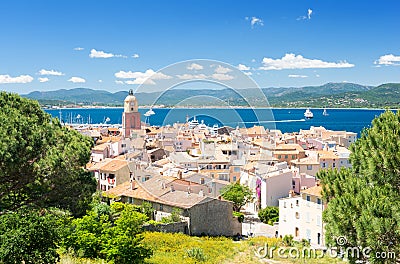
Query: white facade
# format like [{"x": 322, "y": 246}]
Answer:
[
  {"x": 275, "y": 185},
  {"x": 301, "y": 217}
]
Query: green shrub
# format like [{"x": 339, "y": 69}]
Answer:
[
  {"x": 288, "y": 240},
  {"x": 239, "y": 215},
  {"x": 269, "y": 215},
  {"x": 196, "y": 253}
]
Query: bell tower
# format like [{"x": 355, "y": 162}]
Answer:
[{"x": 130, "y": 116}]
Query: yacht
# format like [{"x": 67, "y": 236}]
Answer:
[
  {"x": 325, "y": 113},
  {"x": 308, "y": 114}
]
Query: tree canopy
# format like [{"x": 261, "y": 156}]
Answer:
[
  {"x": 30, "y": 236},
  {"x": 112, "y": 233},
  {"x": 41, "y": 162},
  {"x": 269, "y": 215},
  {"x": 238, "y": 194},
  {"x": 364, "y": 201}
]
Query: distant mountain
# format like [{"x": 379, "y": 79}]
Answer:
[
  {"x": 327, "y": 95},
  {"x": 385, "y": 95}
]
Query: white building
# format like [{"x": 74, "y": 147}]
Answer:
[{"x": 301, "y": 216}]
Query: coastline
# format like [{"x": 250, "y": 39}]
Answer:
[{"x": 224, "y": 107}]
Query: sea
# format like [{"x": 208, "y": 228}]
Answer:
[{"x": 286, "y": 120}]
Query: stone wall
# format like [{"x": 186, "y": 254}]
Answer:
[
  {"x": 180, "y": 227},
  {"x": 213, "y": 218}
]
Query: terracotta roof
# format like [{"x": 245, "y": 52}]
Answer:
[
  {"x": 97, "y": 165},
  {"x": 315, "y": 191},
  {"x": 114, "y": 165},
  {"x": 323, "y": 154},
  {"x": 100, "y": 147},
  {"x": 289, "y": 147},
  {"x": 146, "y": 191}
]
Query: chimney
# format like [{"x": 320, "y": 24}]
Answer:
[
  {"x": 291, "y": 193},
  {"x": 172, "y": 188},
  {"x": 180, "y": 175}
]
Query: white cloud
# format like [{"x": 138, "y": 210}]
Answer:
[
  {"x": 248, "y": 73},
  {"x": 101, "y": 54},
  {"x": 292, "y": 61},
  {"x": 191, "y": 76},
  {"x": 388, "y": 59},
  {"x": 119, "y": 82},
  {"x": 297, "y": 76},
  {"x": 135, "y": 56},
  {"x": 141, "y": 81},
  {"x": 255, "y": 21},
  {"x": 50, "y": 72},
  {"x": 222, "y": 70},
  {"x": 42, "y": 80},
  {"x": 194, "y": 66},
  {"x": 253, "y": 60},
  {"x": 309, "y": 13},
  {"x": 100, "y": 81},
  {"x": 19, "y": 79},
  {"x": 77, "y": 80},
  {"x": 146, "y": 77},
  {"x": 222, "y": 77},
  {"x": 243, "y": 67},
  {"x": 78, "y": 48}
]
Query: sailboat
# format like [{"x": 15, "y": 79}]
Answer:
[
  {"x": 148, "y": 114},
  {"x": 324, "y": 113}
]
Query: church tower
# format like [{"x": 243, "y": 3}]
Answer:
[{"x": 130, "y": 116}]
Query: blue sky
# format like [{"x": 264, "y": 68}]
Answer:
[{"x": 48, "y": 45}]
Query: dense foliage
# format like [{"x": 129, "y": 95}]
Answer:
[
  {"x": 364, "y": 202},
  {"x": 269, "y": 215},
  {"x": 238, "y": 194},
  {"x": 30, "y": 236},
  {"x": 41, "y": 162},
  {"x": 110, "y": 233}
]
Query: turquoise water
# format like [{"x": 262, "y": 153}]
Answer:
[{"x": 287, "y": 120}]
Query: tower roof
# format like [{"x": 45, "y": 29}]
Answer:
[{"x": 130, "y": 97}]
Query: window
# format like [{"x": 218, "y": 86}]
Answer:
[
  {"x": 284, "y": 204},
  {"x": 334, "y": 165},
  {"x": 308, "y": 198},
  {"x": 308, "y": 217},
  {"x": 293, "y": 156},
  {"x": 286, "y": 156},
  {"x": 234, "y": 179},
  {"x": 123, "y": 145},
  {"x": 279, "y": 156},
  {"x": 318, "y": 220},
  {"x": 319, "y": 201},
  {"x": 111, "y": 176},
  {"x": 130, "y": 200},
  {"x": 236, "y": 169},
  {"x": 309, "y": 167},
  {"x": 161, "y": 207},
  {"x": 297, "y": 215},
  {"x": 297, "y": 202},
  {"x": 202, "y": 181},
  {"x": 323, "y": 165}
]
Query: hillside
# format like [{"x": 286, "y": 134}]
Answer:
[
  {"x": 327, "y": 95},
  {"x": 385, "y": 95}
]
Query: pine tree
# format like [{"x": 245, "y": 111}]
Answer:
[{"x": 364, "y": 201}]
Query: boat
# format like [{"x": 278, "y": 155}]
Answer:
[
  {"x": 308, "y": 114},
  {"x": 324, "y": 113}
]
